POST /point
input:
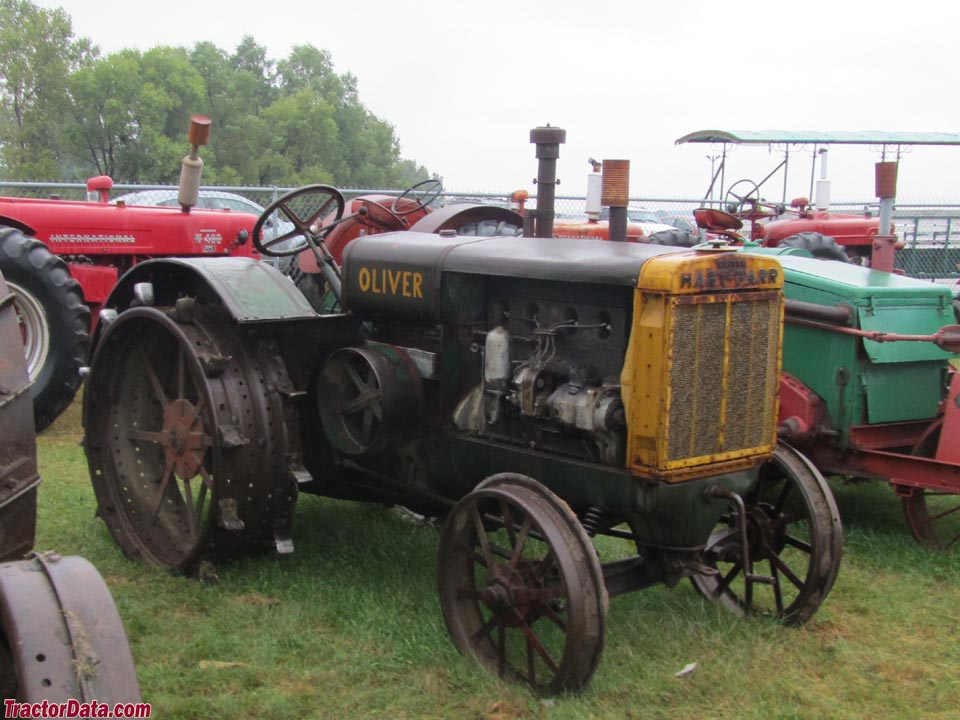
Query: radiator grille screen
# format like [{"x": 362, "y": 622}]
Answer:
[{"x": 723, "y": 374}]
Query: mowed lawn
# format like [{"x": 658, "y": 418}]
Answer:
[{"x": 349, "y": 626}]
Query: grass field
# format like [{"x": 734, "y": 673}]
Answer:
[{"x": 349, "y": 626}]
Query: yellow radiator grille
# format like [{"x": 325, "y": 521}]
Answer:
[{"x": 723, "y": 377}]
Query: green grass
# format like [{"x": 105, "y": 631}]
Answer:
[{"x": 350, "y": 626}]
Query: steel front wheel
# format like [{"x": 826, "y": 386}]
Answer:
[
  {"x": 793, "y": 544},
  {"x": 185, "y": 439},
  {"x": 934, "y": 518},
  {"x": 933, "y": 515},
  {"x": 521, "y": 587}
]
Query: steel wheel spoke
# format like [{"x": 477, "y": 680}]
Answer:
[
  {"x": 777, "y": 594},
  {"x": 511, "y": 529},
  {"x": 778, "y": 562},
  {"x": 167, "y": 472},
  {"x": 938, "y": 516},
  {"x": 484, "y": 630},
  {"x": 158, "y": 392},
  {"x": 534, "y": 641},
  {"x": 727, "y": 579},
  {"x": 519, "y": 541},
  {"x": 157, "y": 437},
  {"x": 181, "y": 379},
  {"x": 482, "y": 537},
  {"x": 554, "y": 617},
  {"x": 798, "y": 543}
]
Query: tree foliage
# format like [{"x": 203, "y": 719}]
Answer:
[{"x": 67, "y": 112}]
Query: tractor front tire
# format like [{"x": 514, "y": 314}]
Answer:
[
  {"x": 54, "y": 322},
  {"x": 822, "y": 247}
]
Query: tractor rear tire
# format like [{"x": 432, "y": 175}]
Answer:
[
  {"x": 822, "y": 247},
  {"x": 54, "y": 322},
  {"x": 489, "y": 228},
  {"x": 673, "y": 238}
]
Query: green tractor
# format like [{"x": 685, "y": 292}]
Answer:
[
  {"x": 536, "y": 393},
  {"x": 868, "y": 389}
]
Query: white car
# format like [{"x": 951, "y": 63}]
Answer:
[{"x": 211, "y": 199}]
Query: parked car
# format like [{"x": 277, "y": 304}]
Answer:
[{"x": 214, "y": 199}]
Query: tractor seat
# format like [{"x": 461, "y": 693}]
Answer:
[{"x": 716, "y": 220}]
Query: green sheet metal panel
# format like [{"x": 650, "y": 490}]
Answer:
[
  {"x": 908, "y": 318},
  {"x": 860, "y": 380},
  {"x": 853, "y": 282},
  {"x": 828, "y": 363},
  {"x": 902, "y": 391}
]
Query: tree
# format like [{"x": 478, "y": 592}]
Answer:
[
  {"x": 67, "y": 113},
  {"x": 37, "y": 53},
  {"x": 132, "y": 111}
]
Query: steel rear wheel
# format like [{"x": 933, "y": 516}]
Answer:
[
  {"x": 794, "y": 544},
  {"x": 933, "y": 515},
  {"x": 185, "y": 440},
  {"x": 521, "y": 587}
]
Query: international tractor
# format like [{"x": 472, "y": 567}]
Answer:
[
  {"x": 534, "y": 393},
  {"x": 62, "y": 258}
]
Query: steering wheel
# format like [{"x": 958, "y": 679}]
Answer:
[
  {"x": 423, "y": 193},
  {"x": 749, "y": 195},
  {"x": 308, "y": 211}
]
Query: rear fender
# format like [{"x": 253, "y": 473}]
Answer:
[
  {"x": 22, "y": 227},
  {"x": 250, "y": 291}
]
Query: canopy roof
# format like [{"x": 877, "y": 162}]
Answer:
[{"x": 805, "y": 137}]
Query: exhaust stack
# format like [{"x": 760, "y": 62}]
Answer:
[{"x": 548, "y": 140}]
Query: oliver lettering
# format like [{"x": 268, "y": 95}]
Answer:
[{"x": 384, "y": 281}]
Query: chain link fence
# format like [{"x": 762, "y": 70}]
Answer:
[{"x": 930, "y": 232}]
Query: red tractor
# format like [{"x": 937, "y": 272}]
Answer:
[
  {"x": 826, "y": 234},
  {"x": 62, "y": 258}
]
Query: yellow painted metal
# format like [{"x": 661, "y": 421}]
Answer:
[{"x": 702, "y": 370}]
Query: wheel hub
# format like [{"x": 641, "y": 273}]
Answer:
[
  {"x": 182, "y": 441},
  {"x": 511, "y": 598}
]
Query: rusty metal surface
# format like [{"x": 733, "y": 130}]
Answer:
[
  {"x": 18, "y": 466},
  {"x": 63, "y": 633},
  {"x": 521, "y": 586},
  {"x": 787, "y": 526},
  {"x": 204, "y": 414},
  {"x": 251, "y": 291}
]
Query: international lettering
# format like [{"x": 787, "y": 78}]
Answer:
[
  {"x": 94, "y": 239},
  {"x": 385, "y": 281}
]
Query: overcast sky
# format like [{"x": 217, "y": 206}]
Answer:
[{"x": 463, "y": 83}]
